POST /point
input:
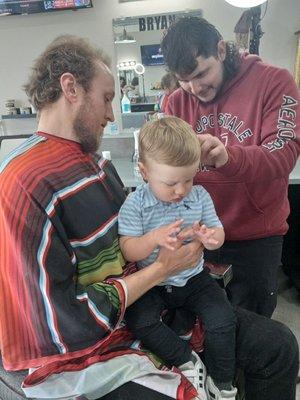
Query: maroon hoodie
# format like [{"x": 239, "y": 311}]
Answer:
[{"x": 257, "y": 117}]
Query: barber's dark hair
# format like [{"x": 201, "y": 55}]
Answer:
[
  {"x": 191, "y": 37},
  {"x": 66, "y": 53}
]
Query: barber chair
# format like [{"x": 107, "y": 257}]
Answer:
[{"x": 9, "y": 142}]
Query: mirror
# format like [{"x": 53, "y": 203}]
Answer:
[{"x": 140, "y": 63}]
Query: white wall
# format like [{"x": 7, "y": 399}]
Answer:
[{"x": 22, "y": 38}]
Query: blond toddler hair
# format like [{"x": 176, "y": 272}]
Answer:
[{"x": 169, "y": 141}]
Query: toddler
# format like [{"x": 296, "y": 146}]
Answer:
[{"x": 168, "y": 211}]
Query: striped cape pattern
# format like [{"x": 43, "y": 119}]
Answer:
[{"x": 61, "y": 292}]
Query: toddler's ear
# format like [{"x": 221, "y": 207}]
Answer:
[
  {"x": 143, "y": 170},
  {"x": 222, "y": 47}
]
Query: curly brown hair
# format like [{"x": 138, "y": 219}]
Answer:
[{"x": 66, "y": 53}]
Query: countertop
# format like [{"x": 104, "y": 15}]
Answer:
[{"x": 124, "y": 167}]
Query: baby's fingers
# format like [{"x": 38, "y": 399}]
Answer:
[
  {"x": 203, "y": 233},
  {"x": 211, "y": 241},
  {"x": 176, "y": 224},
  {"x": 186, "y": 233},
  {"x": 203, "y": 229}
]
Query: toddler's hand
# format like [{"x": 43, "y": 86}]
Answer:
[
  {"x": 165, "y": 236},
  {"x": 205, "y": 234},
  {"x": 187, "y": 234}
]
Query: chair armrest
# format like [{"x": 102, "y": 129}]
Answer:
[{"x": 221, "y": 272}]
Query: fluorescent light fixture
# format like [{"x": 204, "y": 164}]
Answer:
[
  {"x": 125, "y": 41},
  {"x": 245, "y": 3}
]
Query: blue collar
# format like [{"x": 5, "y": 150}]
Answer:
[{"x": 149, "y": 200}]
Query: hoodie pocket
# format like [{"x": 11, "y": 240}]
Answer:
[{"x": 241, "y": 216}]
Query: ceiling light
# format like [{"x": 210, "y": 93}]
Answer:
[
  {"x": 126, "y": 65},
  {"x": 245, "y": 3}
]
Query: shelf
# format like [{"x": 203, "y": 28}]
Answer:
[
  {"x": 18, "y": 116},
  {"x": 120, "y": 135}
]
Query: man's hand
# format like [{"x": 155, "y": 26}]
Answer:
[
  {"x": 168, "y": 262},
  {"x": 166, "y": 236},
  {"x": 213, "y": 151},
  {"x": 183, "y": 257}
]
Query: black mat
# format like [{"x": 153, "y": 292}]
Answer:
[{"x": 10, "y": 384}]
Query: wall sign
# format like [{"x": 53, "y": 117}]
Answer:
[{"x": 153, "y": 23}]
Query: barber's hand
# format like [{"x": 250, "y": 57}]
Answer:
[
  {"x": 213, "y": 151},
  {"x": 183, "y": 257}
]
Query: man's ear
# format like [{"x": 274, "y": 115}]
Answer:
[
  {"x": 143, "y": 170},
  {"x": 69, "y": 87},
  {"x": 222, "y": 50}
]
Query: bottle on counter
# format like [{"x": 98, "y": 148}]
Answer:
[
  {"x": 125, "y": 104},
  {"x": 156, "y": 107},
  {"x": 135, "y": 158},
  {"x": 112, "y": 128}
]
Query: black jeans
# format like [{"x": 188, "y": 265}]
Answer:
[
  {"x": 202, "y": 297},
  {"x": 266, "y": 351},
  {"x": 255, "y": 265}
]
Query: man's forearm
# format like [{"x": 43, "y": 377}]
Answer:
[
  {"x": 137, "y": 248},
  {"x": 142, "y": 281}
]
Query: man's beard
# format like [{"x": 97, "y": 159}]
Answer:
[{"x": 87, "y": 136}]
